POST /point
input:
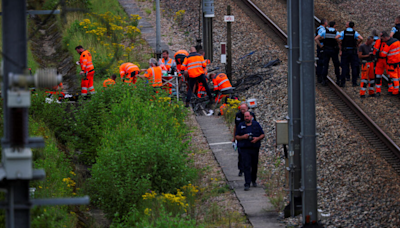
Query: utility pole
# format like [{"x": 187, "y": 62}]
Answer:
[
  {"x": 307, "y": 104},
  {"x": 229, "y": 46},
  {"x": 294, "y": 107},
  {"x": 158, "y": 30},
  {"x": 16, "y": 170},
  {"x": 208, "y": 14}
]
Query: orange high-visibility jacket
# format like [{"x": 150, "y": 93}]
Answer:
[
  {"x": 86, "y": 62},
  {"x": 378, "y": 47},
  {"x": 221, "y": 82},
  {"x": 108, "y": 82},
  {"x": 167, "y": 63},
  {"x": 194, "y": 64},
  {"x": 179, "y": 58},
  {"x": 201, "y": 91},
  {"x": 392, "y": 51},
  {"x": 127, "y": 69},
  {"x": 154, "y": 75}
]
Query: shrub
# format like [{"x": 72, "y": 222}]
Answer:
[{"x": 141, "y": 149}]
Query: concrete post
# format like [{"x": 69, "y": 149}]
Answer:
[{"x": 308, "y": 132}]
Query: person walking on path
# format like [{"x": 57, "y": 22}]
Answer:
[
  {"x": 249, "y": 135},
  {"x": 239, "y": 118}
]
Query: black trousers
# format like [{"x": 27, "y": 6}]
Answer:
[
  {"x": 192, "y": 81},
  {"x": 331, "y": 53},
  {"x": 320, "y": 62},
  {"x": 250, "y": 164},
  {"x": 349, "y": 57},
  {"x": 240, "y": 162}
]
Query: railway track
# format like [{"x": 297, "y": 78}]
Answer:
[{"x": 382, "y": 143}]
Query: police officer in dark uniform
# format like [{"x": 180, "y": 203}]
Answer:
[
  {"x": 249, "y": 135},
  {"x": 331, "y": 50},
  {"x": 395, "y": 32},
  {"x": 239, "y": 118},
  {"x": 320, "y": 51},
  {"x": 348, "y": 42}
]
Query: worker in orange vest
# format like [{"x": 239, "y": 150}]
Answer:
[
  {"x": 57, "y": 90},
  {"x": 166, "y": 60},
  {"x": 85, "y": 61},
  {"x": 392, "y": 51},
  {"x": 380, "y": 64},
  {"x": 194, "y": 66},
  {"x": 201, "y": 52},
  {"x": 153, "y": 74},
  {"x": 365, "y": 53},
  {"x": 180, "y": 56},
  {"x": 128, "y": 72},
  {"x": 221, "y": 84},
  {"x": 109, "y": 81},
  {"x": 201, "y": 89}
]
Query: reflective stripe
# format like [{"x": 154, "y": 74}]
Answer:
[
  {"x": 215, "y": 87},
  {"x": 129, "y": 68},
  {"x": 378, "y": 86},
  {"x": 364, "y": 80},
  {"x": 372, "y": 81},
  {"x": 92, "y": 92},
  {"x": 90, "y": 88},
  {"x": 363, "y": 89},
  {"x": 89, "y": 66},
  {"x": 396, "y": 87},
  {"x": 391, "y": 86},
  {"x": 227, "y": 88},
  {"x": 371, "y": 88},
  {"x": 394, "y": 49},
  {"x": 378, "y": 76},
  {"x": 154, "y": 75},
  {"x": 376, "y": 48},
  {"x": 395, "y": 79},
  {"x": 202, "y": 92},
  {"x": 84, "y": 88},
  {"x": 395, "y": 53},
  {"x": 83, "y": 94},
  {"x": 85, "y": 60},
  {"x": 193, "y": 63},
  {"x": 223, "y": 81},
  {"x": 193, "y": 67},
  {"x": 384, "y": 52}
]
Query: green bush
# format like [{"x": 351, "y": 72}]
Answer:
[
  {"x": 164, "y": 219},
  {"x": 142, "y": 148}
]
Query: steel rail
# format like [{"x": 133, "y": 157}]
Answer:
[{"x": 383, "y": 137}]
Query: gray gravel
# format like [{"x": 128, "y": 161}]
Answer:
[{"x": 358, "y": 187}]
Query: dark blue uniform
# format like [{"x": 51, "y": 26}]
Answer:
[
  {"x": 239, "y": 118},
  {"x": 331, "y": 51},
  {"x": 249, "y": 150},
  {"x": 349, "y": 55},
  {"x": 320, "y": 54}
]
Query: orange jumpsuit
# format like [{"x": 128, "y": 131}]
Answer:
[
  {"x": 221, "y": 83},
  {"x": 367, "y": 71},
  {"x": 128, "y": 72},
  {"x": 201, "y": 90},
  {"x": 86, "y": 64},
  {"x": 392, "y": 51},
  {"x": 380, "y": 65},
  {"x": 108, "y": 82},
  {"x": 154, "y": 75}
]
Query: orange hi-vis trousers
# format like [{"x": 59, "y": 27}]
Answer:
[
  {"x": 380, "y": 67},
  {"x": 87, "y": 84},
  {"x": 367, "y": 78},
  {"x": 394, "y": 73}
]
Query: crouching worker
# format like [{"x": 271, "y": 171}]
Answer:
[
  {"x": 221, "y": 84},
  {"x": 109, "y": 81},
  {"x": 153, "y": 74},
  {"x": 249, "y": 135}
]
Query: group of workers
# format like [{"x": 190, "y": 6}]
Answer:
[
  {"x": 191, "y": 69},
  {"x": 378, "y": 54}
]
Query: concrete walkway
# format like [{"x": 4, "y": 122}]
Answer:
[
  {"x": 148, "y": 32},
  {"x": 256, "y": 205}
]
